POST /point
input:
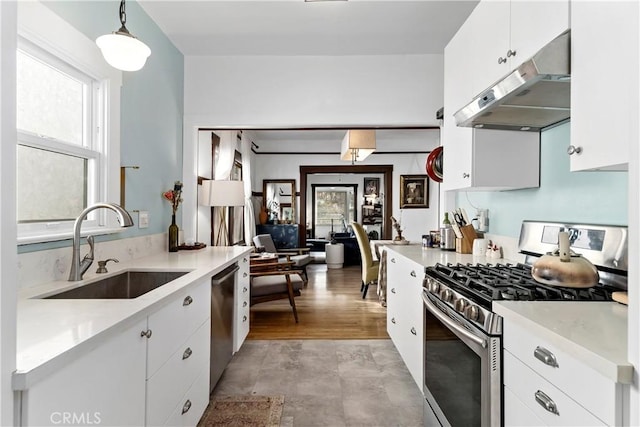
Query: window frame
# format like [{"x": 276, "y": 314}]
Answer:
[{"x": 43, "y": 32}]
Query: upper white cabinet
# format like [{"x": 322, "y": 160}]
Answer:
[
  {"x": 507, "y": 33},
  {"x": 604, "y": 84}
]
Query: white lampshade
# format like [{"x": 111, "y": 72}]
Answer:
[
  {"x": 123, "y": 51},
  {"x": 222, "y": 193},
  {"x": 357, "y": 144}
]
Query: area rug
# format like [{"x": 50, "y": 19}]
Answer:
[{"x": 243, "y": 411}]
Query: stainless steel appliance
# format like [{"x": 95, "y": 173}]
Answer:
[
  {"x": 222, "y": 301},
  {"x": 463, "y": 336}
]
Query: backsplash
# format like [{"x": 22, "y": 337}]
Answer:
[{"x": 39, "y": 267}]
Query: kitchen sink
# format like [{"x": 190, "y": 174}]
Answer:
[{"x": 126, "y": 285}]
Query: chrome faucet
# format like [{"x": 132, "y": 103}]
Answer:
[{"x": 78, "y": 268}]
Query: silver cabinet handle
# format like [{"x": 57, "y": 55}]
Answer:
[
  {"x": 244, "y": 318},
  {"x": 545, "y": 356},
  {"x": 244, "y": 289},
  {"x": 146, "y": 333},
  {"x": 546, "y": 402},
  {"x": 413, "y": 331},
  {"x": 186, "y": 407},
  {"x": 393, "y": 290},
  {"x": 502, "y": 60},
  {"x": 572, "y": 149},
  {"x": 187, "y": 301},
  {"x": 511, "y": 53},
  {"x": 393, "y": 260},
  {"x": 413, "y": 273},
  {"x": 465, "y": 175},
  {"x": 187, "y": 353},
  {"x": 244, "y": 274},
  {"x": 244, "y": 304},
  {"x": 244, "y": 260},
  {"x": 393, "y": 320}
]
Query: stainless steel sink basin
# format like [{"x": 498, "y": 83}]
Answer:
[{"x": 127, "y": 285}]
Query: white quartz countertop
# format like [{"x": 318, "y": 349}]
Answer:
[
  {"x": 593, "y": 332},
  {"x": 53, "y": 332},
  {"x": 428, "y": 257}
]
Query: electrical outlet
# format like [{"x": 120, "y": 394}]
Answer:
[{"x": 143, "y": 219}]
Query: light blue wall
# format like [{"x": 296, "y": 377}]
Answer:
[
  {"x": 586, "y": 197},
  {"x": 152, "y": 109}
]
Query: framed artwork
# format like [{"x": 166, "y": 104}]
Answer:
[
  {"x": 286, "y": 213},
  {"x": 414, "y": 191},
  {"x": 371, "y": 186}
]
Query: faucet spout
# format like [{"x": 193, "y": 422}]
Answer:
[{"x": 78, "y": 268}]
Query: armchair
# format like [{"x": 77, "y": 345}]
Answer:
[
  {"x": 370, "y": 267},
  {"x": 299, "y": 257},
  {"x": 272, "y": 281}
]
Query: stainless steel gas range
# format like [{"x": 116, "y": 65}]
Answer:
[{"x": 463, "y": 336}]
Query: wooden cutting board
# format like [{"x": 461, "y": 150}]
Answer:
[{"x": 620, "y": 297}]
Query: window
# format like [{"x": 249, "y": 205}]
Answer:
[{"x": 67, "y": 118}]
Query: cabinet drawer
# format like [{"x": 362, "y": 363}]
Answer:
[
  {"x": 175, "y": 322},
  {"x": 517, "y": 413},
  {"x": 586, "y": 386},
  {"x": 192, "y": 405},
  {"x": 173, "y": 379},
  {"x": 526, "y": 384}
]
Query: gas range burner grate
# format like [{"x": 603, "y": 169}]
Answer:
[{"x": 491, "y": 282}]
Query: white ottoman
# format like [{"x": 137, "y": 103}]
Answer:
[{"x": 334, "y": 255}]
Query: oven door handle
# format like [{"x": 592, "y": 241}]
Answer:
[{"x": 450, "y": 322}]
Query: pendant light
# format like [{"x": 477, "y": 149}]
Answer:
[
  {"x": 358, "y": 144},
  {"x": 121, "y": 49}
]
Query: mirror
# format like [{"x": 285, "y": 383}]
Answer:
[{"x": 279, "y": 200}]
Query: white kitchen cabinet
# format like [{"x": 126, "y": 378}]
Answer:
[
  {"x": 507, "y": 33},
  {"x": 105, "y": 386},
  {"x": 579, "y": 394},
  {"x": 604, "y": 83},
  {"x": 405, "y": 312},
  {"x": 241, "y": 304},
  {"x": 484, "y": 159}
]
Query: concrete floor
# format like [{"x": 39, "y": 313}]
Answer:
[{"x": 328, "y": 382}]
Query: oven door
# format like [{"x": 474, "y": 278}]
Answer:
[{"x": 462, "y": 369}]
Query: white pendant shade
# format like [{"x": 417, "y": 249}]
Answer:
[
  {"x": 123, "y": 51},
  {"x": 358, "y": 144},
  {"x": 222, "y": 193}
]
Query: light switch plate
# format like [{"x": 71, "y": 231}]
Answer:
[{"x": 143, "y": 219}]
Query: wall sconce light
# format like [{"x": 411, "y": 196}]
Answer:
[
  {"x": 358, "y": 144},
  {"x": 121, "y": 49}
]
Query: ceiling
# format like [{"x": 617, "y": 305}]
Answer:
[{"x": 296, "y": 27}]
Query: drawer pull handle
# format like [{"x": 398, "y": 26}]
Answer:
[
  {"x": 414, "y": 332},
  {"x": 545, "y": 356},
  {"x": 244, "y": 274},
  {"x": 393, "y": 260},
  {"x": 187, "y": 353},
  {"x": 244, "y": 289},
  {"x": 244, "y": 304},
  {"x": 393, "y": 290},
  {"x": 393, "y": 320},
  {"x": 244, "y": 260},
  {"x": 187, "y": 301},
  {"x": 413, "y": 273},
  {"x": 546, "y": 402},
  {"x": 186, "y": 407},
  {"x": 146, "y": 333},
  {"x": 244, "y": 318}
]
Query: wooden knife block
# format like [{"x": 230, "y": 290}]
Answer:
[{"x": 465, "y": 245}]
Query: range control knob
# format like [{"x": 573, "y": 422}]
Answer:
[
  {"x": 473, "y": 313},
  {"x": 446, "y": 295},
  {"x": 461, "y": 304},
  {"x": 434, "y": 287}
]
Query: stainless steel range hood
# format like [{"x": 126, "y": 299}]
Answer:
[{"x": 534, "y": 96}]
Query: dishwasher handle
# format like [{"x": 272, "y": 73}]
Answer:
[{"x": 221, "y": 277}]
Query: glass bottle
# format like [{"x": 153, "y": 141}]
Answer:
[{"x": 173, "y": 235}]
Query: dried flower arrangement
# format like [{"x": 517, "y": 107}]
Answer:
[
  {"x": 398, "y": 229},
  {"x": 174, "y": 196}
]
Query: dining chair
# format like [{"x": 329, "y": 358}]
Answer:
[{"x": 370, "y": 267}]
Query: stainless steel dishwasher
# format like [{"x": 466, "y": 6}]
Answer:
[{"x": 222, "y": 301}]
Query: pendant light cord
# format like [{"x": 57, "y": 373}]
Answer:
[{"x": 123, "y": 18}]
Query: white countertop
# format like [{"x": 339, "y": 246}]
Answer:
[
  {"x": 593, "y": 332},
  {"x": 428, "y": 257},
  {"x": 53, "y": 332}
]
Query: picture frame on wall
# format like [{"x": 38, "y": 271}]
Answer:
[
  {"x": 414, "y": 191},
  {"x": 371, "y": 186}
]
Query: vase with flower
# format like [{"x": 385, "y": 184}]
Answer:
[{"x": 174, "y": 197}]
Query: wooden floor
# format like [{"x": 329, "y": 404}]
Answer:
[{"x": 330, "y": 307}]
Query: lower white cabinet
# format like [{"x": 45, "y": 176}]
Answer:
[
  {"x": 105, "y": 386},
  {"x": 557, "y": 388},
  {"x": 242, "y": 301},
  {"x": 405, "y": 312}
]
